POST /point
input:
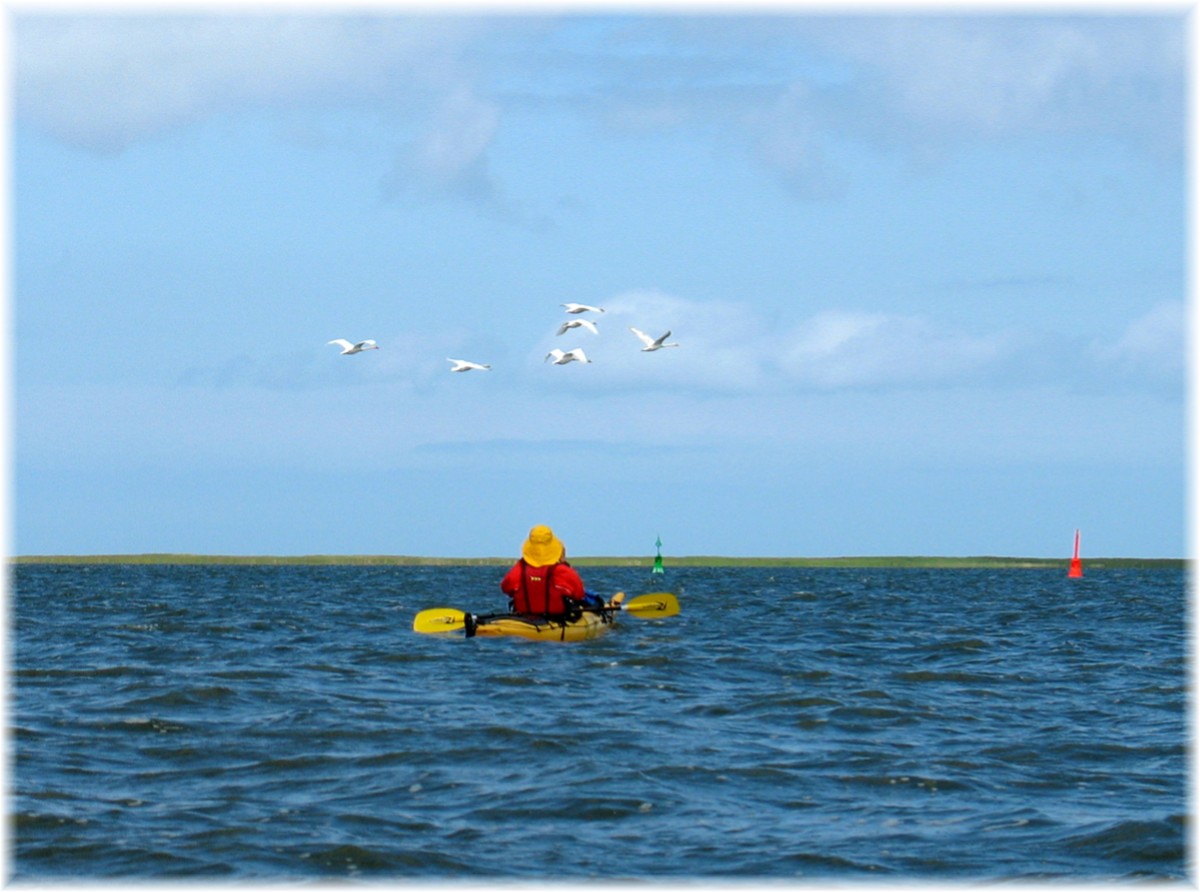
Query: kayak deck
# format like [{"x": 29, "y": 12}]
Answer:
[{"x": 537, "y": 628}]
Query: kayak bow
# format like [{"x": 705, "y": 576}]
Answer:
[{"x": 590, "y": 624}]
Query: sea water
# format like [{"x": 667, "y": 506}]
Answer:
[{"x": 286, "y": 723}]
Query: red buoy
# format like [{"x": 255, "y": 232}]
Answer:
[{"x": 1076, "y": 571}]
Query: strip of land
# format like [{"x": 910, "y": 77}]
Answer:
[{"x": 897, "y": 562}]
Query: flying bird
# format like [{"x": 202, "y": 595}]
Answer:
[
  {"x": 461, "y": 365},
  {"x": 575, "y": 323},
  {"x": 348, "y": 348},
  {"x": 652, "y": 344},
  {"x": 582, "y": 308},
  {"x": 563, "y": 357}
]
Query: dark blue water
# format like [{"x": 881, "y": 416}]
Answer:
[{"x": 832, "y": 725}]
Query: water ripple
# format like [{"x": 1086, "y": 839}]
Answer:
[{"x": 285, "y": 723}]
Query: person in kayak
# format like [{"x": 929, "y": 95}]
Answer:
[{"x": 542, "y": 583}]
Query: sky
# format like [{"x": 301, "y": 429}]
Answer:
[{"x": 927, "y": 270}]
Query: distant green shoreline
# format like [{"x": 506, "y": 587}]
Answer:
[{"x": 966, "y": 563}]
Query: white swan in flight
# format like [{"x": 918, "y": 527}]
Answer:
[
  {"x": 462, "y": 365},
  {"x": 347, "y": 347},
  {"x": 582, "y": 308},
  {"x": 576, "y": 323},
  {"x": 562, "y": 357},
  {"x": 652, "y": 344}
]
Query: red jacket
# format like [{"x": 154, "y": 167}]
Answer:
[{"x": 541, "y": 590}]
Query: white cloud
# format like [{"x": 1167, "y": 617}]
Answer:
[
  {"x": 791, "y": 142},
  {"x": 960, "y": 77},
  {"x": 105, "y": 82},
  {"x": 796, "y": 89},
  {"x": 461, "y": 131},
  {"x": 449, "y": 157},
  {"x": 788, "y": 88},
  {"x": 839, "y": 349},
  {"x": 717, "y": 344},
  {"x": 728, "y": 347},
  {"x": 1152, "y": 347}
]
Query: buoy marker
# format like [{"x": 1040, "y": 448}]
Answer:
[{"x": 1076, "y": 571}]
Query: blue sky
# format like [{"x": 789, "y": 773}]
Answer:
[{"x": 927, "y": 272}]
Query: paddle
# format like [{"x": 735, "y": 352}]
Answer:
[
  {"x": 439, "y": 619},
  {"x": 653, "y": 605},
  {"x": 446, "y": 619}
]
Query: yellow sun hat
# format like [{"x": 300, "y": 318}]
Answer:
[{"x": 542, "y": 549}]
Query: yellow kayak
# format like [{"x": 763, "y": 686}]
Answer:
[{"x": 590, "y": 624}]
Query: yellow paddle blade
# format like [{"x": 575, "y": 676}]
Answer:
[
  {"x": 439, "y": 619},
  {"x": 653, "y": 605}
]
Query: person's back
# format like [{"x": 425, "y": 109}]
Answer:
[{"x": 541, "y": 582}]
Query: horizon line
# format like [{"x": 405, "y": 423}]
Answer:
[{"x": 594, "y": 560}]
